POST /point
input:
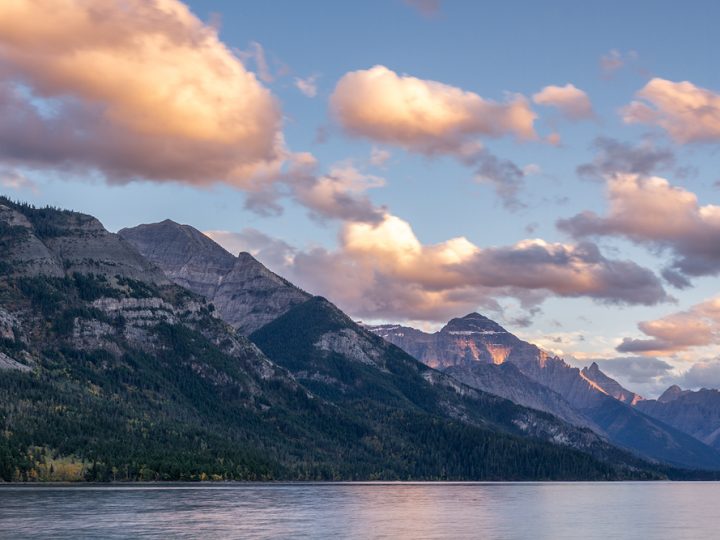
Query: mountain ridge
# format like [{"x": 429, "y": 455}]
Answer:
[
  {"x": 127, "y": 378},
  {"x": 475, "y": 339}
]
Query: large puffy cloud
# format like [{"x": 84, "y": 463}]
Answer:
[
  {"x": 132, "y": 89},
  {"x": 649, "y": 210},
  {"x": 687, "y": 112},
  {"x": 424, "y": 116},
  {"x": 572, "y": 102},
  {"x": 382, "y": 270},
  {"x": 433, "y": 118},
  {"x": 698, "y": 326}
]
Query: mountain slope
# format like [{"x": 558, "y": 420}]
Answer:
[
  {"x": 694, "y": 412},
  {"x": 608, "y": 385},
  {"x": 477, "y": 339},
  {"x": 346, "y": 364},
  {"x": 245, "y": 293},
  {"x": 108, "y": 371}
]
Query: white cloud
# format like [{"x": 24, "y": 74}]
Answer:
[{"x": 572, "y": 102}]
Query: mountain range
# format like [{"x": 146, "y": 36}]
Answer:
[
  {"x": 480, "y": 353},
  {"x": 155, "y": 354}
]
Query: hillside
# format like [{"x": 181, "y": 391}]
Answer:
[{"x": 110, "y": 371}]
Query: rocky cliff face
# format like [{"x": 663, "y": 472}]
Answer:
[
  {"x": 694, "y": 412},
  {"x": 475, "y": 339},
  {"x": 58, "y": 243},
  {"x": 610, "y": 386},
  {"x": 246, "y": 294}
]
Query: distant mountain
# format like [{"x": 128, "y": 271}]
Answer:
[
  {"x": 475, "y": 339},
  {"x": 610, "y": 386},
  {"x": 245, "y": 293},
  {"x": 694, "y": 412},
  {"x": 110, "y": 371}
]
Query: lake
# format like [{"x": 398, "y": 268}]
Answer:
[{"x": 650, "y": 510}]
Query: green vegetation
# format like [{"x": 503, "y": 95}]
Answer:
[{"x": 149, "y": 394}]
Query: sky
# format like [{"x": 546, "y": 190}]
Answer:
[{"x": 552, "y": 165}]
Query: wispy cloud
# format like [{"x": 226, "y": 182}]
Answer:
[
  {"x": 308, "y": 85},
  {"x": 14, "y": 180},
  {"x": 427, "y": 8}
]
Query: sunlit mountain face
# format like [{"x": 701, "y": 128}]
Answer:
[{"x": 554, "y": 171}]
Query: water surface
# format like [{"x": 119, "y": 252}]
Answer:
[{"x": 649, "y": 510}]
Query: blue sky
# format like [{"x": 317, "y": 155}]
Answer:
[{"x": 609, "y": 51}]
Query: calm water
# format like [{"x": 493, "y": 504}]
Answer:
[{"x": 394, "y": 511}]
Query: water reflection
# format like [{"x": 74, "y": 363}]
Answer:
[{"x": 392, "y": 511}]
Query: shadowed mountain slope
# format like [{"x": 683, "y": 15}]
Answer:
[{"x": 475, "y": 339}]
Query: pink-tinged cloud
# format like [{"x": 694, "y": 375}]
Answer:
[
  {"x": 572, "y": 102},
  {"x": 698, "y": 326},
  {"x": 382, "y": 270},
  {"x": 14, "y": 180},
  {"x": 427, "y": 8},
  {"x": 687, "y": 112},
  {"x": 132, "y": 89},
  {"x": 651, "y": 211},
  {"x": 307, "y": 86},
  {"x": 424, "y": 116},
  {"x": 339, "y": 194}
]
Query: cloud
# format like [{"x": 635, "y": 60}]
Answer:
[
  {"x": 427, "y": 8},
  {"x": 135, "y": 90},
  {"x": 636, "y": 369},
  {"x": 433, "y": 118},
  {"x": 698, "y": 326},
  {"x": 14, "y": 180},
  {"x": 504, "y": 175},
  {"x": 687, "y": 112},
  {"x": 702, "y": 375},
  {"x": 257, "y": 54},
  {"x": 269, "y": 251},
  {"x": 615, "y": 60},
  {"x": 379, "y": 156},
  {"x": 651, "y": 211},
  {"x": 614, "y": 156},
  {"x": 308, "y": 85},
  {"x": 382, "y": 270},
  {"x": 339, "y": 194},
  {"x": 572, "y": 102},
  {"x": 424, "y": 116}
]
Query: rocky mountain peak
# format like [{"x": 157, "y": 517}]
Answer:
[
  {"x": 473, "y": 323},
  {"x": 608, "y": 385},
  {"x": 246, "y": 293},
  {"x": 671, "y": 394}
]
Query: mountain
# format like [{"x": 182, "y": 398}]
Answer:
[
  {"x": 694, "y": 412},
  {"x": 608, "y": 385},
  {"x": 245, "y": 293},
  {"x": 111, "y": 371},
  {"x": 475, "y": 339},
  {"x": 343, "y": 363}
]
